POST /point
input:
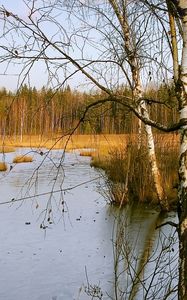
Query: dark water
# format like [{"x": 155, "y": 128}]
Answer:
[{"x": 78, "y": 251}]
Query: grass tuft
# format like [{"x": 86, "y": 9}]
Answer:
[
  {"x": 3, "y": 166},
  {"x": 22, "y": 159}
]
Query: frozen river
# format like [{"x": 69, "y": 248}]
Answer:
[{"x": 74, "y": 251}]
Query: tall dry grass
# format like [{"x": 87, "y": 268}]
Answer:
[{"x": 128, "y": 171}]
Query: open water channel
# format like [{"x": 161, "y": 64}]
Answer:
[{"x": 77, "y": 252}]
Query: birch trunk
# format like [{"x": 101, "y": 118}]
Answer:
[
  {"x": 151, "y": 147},
  {"x": 182, "y": 193},
  {"x": 153, "y": 162}
]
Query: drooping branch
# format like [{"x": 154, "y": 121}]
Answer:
[{"x": 127, "y": 102}]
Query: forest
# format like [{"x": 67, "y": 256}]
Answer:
[{"x": 47, "y": 112}]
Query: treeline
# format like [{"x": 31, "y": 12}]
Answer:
[{"x": 46, "y": 112}]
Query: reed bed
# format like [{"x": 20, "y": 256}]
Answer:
[
  {"x": 67, "y": 142},
  {"x": 128, "y": 173}
]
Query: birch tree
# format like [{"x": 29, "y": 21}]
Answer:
[{"x": 132, "y": 51}]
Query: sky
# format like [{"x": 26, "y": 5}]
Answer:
[
  {"x": 38, "y": 76},
  {"x": 10, "y": 81},
  {"x": 109, "y": 76}
]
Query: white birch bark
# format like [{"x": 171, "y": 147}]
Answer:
[
  {"x": 151, "y": 150},
  {"x": 182, "y": 193},
  {"x": 153, "y": 161}
]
